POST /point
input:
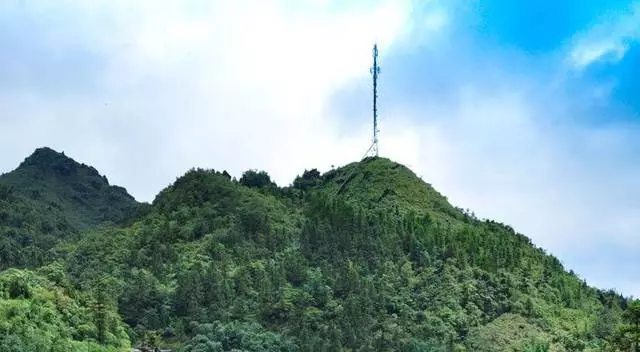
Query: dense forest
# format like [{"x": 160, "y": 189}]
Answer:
[{"x": 366, "y": 257}]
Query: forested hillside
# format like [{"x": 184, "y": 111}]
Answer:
[
  {"x": 366, "y": 257},
  {"x": 50, "y": 198}
]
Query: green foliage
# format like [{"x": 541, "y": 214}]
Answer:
[
  {"x": 256, "y": 179},
  {"x": 380, "y": 183},
  {"x": 363, "y": 258},
  {"x": 82, "y": 195},
  {"x": 509, "y": 332},
  {"x": 37, "y": 315},
  {"x": 237, "y": 337},
  {"x": 50, "y": 198},
  {"x": 626, "y": 337},
  {"x": 309, "y": 179}
]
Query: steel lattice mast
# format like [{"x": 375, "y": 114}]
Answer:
[{"x": 375, "y": 70}]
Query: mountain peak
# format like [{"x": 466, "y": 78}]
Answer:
[
  {"x": 47, "y": 160},
  {"x": 382, "y": 182},
  {"x": 43, "y": 155},
  {"x": 52, "y": 179}
]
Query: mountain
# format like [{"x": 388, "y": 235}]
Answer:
[
  {"x": 366, "y": 257},
  {"x": 50, "y": 197},
  {"x": 382, "y": 183}
]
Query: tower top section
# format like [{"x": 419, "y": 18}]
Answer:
[{"x": 375, "y": 71}]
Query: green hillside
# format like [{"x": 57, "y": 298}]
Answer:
[
  {"x": 51, "y": 197},
  {"x": 40, "y": 312},
  {"x": 366, "y": 257},
  {"x": 382, "y": 183}
]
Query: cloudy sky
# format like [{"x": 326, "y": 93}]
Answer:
[{"x": 524, "y": 112}]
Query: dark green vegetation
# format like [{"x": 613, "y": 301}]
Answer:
[
  {"x": 50, "y": 198},
  {"x": 363, "y": 258}
]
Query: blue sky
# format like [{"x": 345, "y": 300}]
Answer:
[
  {"x": 549, "y": 143},
  {"x": 556, "y": 153},
  {"x": 525, "y": 112}
]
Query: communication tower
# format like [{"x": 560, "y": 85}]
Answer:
[{"x": 375, "y": 71}]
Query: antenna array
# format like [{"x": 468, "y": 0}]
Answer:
[{"x": 375, "y": 70}]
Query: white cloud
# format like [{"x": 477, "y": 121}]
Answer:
[
  {"x": 213, "y": 85},
  {"x": 571, "y": 189},
  {"x": 585, "y": 54},
  {"x": 232, "y": 85},
  {"x": 563, "y": 187},
  {"x": 607, "y": 41},
  {"x": 236, "y": 98}
]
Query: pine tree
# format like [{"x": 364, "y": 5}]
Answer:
[{"x": 100, "y": 311}]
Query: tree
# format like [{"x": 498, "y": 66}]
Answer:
[
  {"x": 308, "y": 179},
  {"x": 256, "y": 179},
  {"x": 632, "y": 316},
  {"x": 5, "y": 192},
  {"x": 100, "y": 311},
  {"x": 627, "y": 336},
  {"x": 606, "y": 322}
]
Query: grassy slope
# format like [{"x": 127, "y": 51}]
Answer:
[{"x": 380, "y": 182}]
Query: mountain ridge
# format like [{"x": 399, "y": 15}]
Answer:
[
  {"x": 363, "y": 257},
  {"x": 49, "y": 197}
]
